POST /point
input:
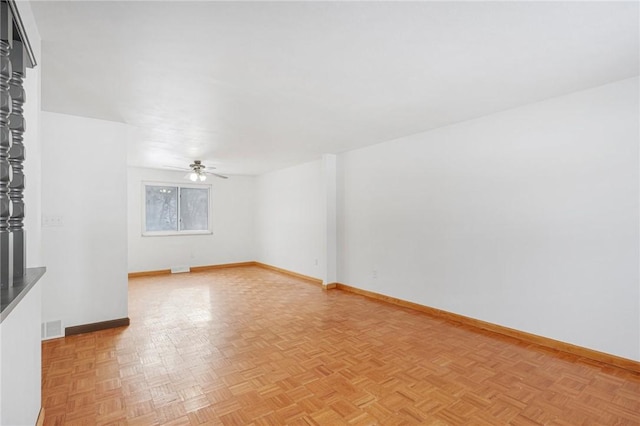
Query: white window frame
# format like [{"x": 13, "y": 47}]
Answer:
[{"x": 143, "y": 198}]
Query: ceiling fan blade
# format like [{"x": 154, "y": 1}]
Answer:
[
  {"x": 199, "y": 168},
  {"x": 217, "y": 175},
  {"x": 184, "y": 169}
]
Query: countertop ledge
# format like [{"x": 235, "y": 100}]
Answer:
[{"x": 10, "y": 297}]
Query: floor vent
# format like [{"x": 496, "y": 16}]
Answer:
[
  {"x": 180, "y": 269},
  {"x": 51, "y": 330}
]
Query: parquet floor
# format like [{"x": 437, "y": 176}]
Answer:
[{"x": 249, "y": 346}]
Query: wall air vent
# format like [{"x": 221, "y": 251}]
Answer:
[{"x": 51, "y": 330}]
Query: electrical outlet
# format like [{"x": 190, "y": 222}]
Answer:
[{"x": 374, "y": 274}]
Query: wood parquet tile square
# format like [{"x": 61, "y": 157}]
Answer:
[{"x": 247, "y": 346}]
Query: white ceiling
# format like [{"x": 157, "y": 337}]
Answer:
[{"x": 253, "y": 87}]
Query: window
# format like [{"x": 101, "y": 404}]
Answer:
[{"x": 173, "y": 210}]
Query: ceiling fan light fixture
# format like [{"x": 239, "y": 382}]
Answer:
[{"x": 198, "y": 174}]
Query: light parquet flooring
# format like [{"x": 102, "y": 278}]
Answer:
[{"x": 244, "y": 346}]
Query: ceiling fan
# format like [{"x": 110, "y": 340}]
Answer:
[{"x": 198, "y": 173}]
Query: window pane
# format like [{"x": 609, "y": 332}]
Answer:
[
  {"x": 161, "y": 208},
  {"x": 194, "y": 209}
]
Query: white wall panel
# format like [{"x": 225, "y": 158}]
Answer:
[{"x": 527, "y": 218}]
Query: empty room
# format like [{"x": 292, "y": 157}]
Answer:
[{"x": 319, "y": 213}]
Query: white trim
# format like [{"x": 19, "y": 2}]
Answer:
[{"x": 178, "y": 232}]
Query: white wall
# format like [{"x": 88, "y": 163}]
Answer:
[
  {"x": 526, "y": 218},
  {"x": 290, "y": 220},
  {"x": 20, "y": 361},
  {"x": 84, "y": 185},
  {"x": 32, "y": 168},
  {"x": 232, "y": 221}
]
